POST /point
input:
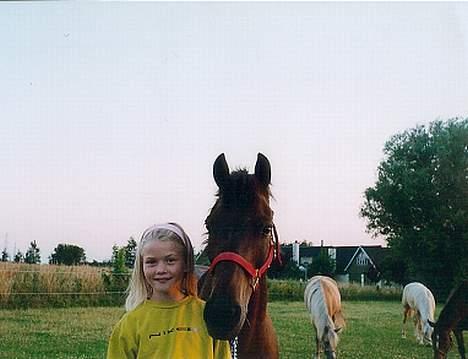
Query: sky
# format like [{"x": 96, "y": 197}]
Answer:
[{"x": 112, "y": 113}]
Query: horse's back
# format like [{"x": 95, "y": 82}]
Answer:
[
  {"x": 322, "y": 295},
  {"x": 418, "y": 297}
]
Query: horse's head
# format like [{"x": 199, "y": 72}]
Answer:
[
  {"x": 441, "y": 341},
  {"x": 427, "y": 333},
  {"x": 239, "y": 246},
  {"x": 330, "y": 341}
]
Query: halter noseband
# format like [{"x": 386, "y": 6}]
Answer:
[{"x": 255, "y": 273}]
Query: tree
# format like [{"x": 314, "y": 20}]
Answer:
[
  {"x": 201, "y": 258},
  {"x": 67, "y": 254},
  {"x": 118, "y": 279},
  {"x": 5, "y": 256},
  {"x": 322, "y": 264},
  {"x": 130, "y": 252},
  {"x": 18, "y": 257},
  {"x": 419, "y": 202},
  {"x": 32, "y": 255}
]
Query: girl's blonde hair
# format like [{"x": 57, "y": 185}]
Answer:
[{"x": 138, "y": 289}]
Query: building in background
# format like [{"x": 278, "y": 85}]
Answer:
[{"x": 357, "y": 264}]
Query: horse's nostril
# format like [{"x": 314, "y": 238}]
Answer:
[{"x": 221, "y": 312}]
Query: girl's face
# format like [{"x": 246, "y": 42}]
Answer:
[{"x": 163, "y": 268}]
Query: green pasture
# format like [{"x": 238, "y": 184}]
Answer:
[{"x": 373, "y": 331}]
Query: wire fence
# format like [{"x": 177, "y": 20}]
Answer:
[
  {"x": 33, "y": 286},
  {"x": 69, "y": 272},
  {"x": 64, "y": 293}
]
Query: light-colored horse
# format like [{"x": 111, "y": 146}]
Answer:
[
  {"x": 418, "y": 302},
  {"x": 323, "y": 301}
]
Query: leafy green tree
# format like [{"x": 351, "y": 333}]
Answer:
[
  {"x": 130, "y": 252},
  {"x": 18, "y": 258},
  {"x": 117, "y": 280},
  {"x": 32, "y": 255},
  {"x": 322, "y": 264},
  {"x": 289, "y": 270},
  {"x": 5, "y": 256},
  {"x": 419, "y": 202},
  {"x": 67, "y": 254},
  {"x": 394, "y": 269},
  {"x": 201, "y": 258}
]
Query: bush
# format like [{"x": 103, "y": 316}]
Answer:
[{"x": 293, "y": 290}]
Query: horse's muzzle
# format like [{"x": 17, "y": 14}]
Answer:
[{"x": 223, "y": 318}]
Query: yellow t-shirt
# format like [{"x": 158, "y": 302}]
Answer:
[{"x": 166, "y": 331}]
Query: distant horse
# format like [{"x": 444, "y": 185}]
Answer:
[
  {"x": 323, "y": 301},
  {"x": 453, "y": 317},
  {"x": 418, "y": 302},
  {"x": 242, "y": 243}
]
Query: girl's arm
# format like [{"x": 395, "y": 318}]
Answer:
[{"x": 122, "y": 343}]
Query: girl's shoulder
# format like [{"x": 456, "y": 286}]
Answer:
[
  {"x": 197, "y": 301},
  {"x": 139, "y": 310}
]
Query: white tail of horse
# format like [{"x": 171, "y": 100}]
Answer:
[
  {"x": 418, "y": 301},
  {"x": 323, "y": 301}
]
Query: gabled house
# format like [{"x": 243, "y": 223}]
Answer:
[{"x": 360, "y": 264}]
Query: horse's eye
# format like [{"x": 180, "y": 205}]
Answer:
[{"x": 266, "y": 231}]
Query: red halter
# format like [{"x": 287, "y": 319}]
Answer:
[{"x": 255, "y": 273}]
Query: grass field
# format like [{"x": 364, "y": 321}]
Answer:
[{"x": 373, "y": 331}]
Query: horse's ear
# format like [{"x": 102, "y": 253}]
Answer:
[
  {"x": 263, "y": 170},
  {"x": 432, "y": 324},
  {"x": 220, "y": 171}
]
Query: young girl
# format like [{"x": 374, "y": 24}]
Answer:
[{"x": 164, "y": 316}]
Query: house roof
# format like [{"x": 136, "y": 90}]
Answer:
[
  {"x": 344, "y": 254},
  {"x": 343, "y": 257}
]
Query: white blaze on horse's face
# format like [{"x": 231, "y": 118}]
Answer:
[{"x": 441, "y": 345}]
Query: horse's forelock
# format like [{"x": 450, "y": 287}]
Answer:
[{"x": 244, "y": 195}]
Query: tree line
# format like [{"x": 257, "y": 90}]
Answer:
[{"x": 70, "y": 254}]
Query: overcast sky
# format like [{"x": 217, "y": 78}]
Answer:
[{"x": 112, "y": 114}]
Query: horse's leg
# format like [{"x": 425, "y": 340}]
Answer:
[
  {"x": 317, "y": 345},
  {"x": 461, "y": 346},
  {"x": 406, "y": 310},
  {"x": 418, "y": 328}
]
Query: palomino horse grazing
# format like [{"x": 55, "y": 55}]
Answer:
[
  {"x": 323, "y": 301},
  {"x": 453, "y": 317},
  {"x": 241, "y": 245},
  {"x": 418, "y": 301}
]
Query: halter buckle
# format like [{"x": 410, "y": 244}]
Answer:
[{"x": 255, "y": 279}]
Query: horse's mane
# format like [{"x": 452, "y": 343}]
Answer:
[
  {"x": 456, "y": 296},
  {"x": 242, "y": 193}
]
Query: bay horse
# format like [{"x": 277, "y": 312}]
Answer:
[
  {"x": 242, "y": 243},
  {"x": 323, "y": 301},
  {"x": 453, "y": 317},
  {"x": 418, "y": 302}
]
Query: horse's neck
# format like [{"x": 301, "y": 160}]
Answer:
[
  {"x": 452, "y": 311},
  {"x": 257, "y": 337}
]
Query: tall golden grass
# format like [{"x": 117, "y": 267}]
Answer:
[{"x": 42, "y": 285}]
